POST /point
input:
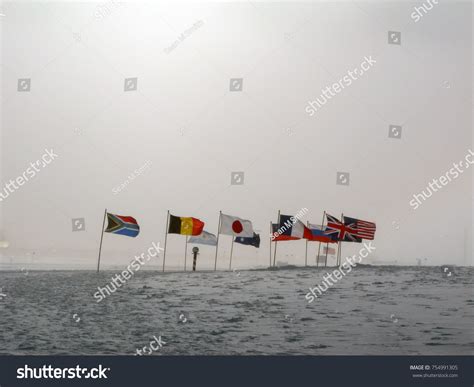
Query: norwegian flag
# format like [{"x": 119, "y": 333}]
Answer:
[
  {"x": 348, "y": 230},
  {"x": 360, "y": 228}
]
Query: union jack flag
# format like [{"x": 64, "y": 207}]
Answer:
[{"x": 350, "y": 230}]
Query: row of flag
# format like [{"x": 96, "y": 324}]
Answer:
[
  {"x": 288, "y": 228},
  {"x": 347, "y": 230},
  {"x": 241, "y": 229}
]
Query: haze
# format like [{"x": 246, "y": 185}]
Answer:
[{"x": 192, "y": 132}]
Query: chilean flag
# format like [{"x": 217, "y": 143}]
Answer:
[
  {"x": 280, "y": 237},
  {"x": 291, "y": 228}
]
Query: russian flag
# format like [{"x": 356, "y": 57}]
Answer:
[{"x": 318, "y": 234}]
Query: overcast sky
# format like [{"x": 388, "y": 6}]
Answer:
[{"x": 188, "y": 132}]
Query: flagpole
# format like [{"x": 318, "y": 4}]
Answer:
[
  {"x": 271, "y": 232},
  {"x": 231, "y": 250},
  {"x": 340, "y": 254},
  {"x": 185, "y": 252},
  {"x": 101, "y": 239},
  {"x": 306, "y": 252},
  {"x": 166, "y": 237},
  {"x": 217, "y": 243},
  {"x": 276, "y": 242},
  {"x": 340, "y": 249},
  {"x": 326, "y": 259},
  {"x": 319, "y": 248}
]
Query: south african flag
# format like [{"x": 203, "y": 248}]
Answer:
[{"x": 123, "y": 225}]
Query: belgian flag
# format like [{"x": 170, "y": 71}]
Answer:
[{"x": 185, "y": 226}]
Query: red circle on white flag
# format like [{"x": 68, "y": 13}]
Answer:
[{"x": 237, "y": 227}]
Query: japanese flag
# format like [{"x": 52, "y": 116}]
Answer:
[{"x": 232, "y": 225}]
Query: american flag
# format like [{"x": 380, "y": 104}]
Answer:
[
  {"x": 360, "y": 228},
  {"x": 350, "y": 230}
]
